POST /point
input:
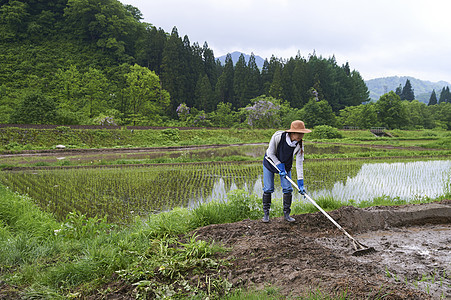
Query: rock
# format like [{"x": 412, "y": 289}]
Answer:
[{"x": 60, "y": 147}]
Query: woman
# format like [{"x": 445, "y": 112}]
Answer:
[{"x": 284, "y": 145}]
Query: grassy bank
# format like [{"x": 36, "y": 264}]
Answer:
[
  {"x": 42, "y": 258},
  {"x": 17, "y": 139}
]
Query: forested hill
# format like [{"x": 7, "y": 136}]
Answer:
[
  {"x": 78, "y": 61},
  {"x": 422, "y": 89}
]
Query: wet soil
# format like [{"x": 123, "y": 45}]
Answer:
[{"x": 412, "y": 261}]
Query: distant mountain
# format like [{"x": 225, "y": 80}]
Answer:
[
  {"x": 422, "y": 89},
  {"x": 236, "y": 55}
]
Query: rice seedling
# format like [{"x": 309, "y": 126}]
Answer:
[
  {"x": 408, "y": 181},
  {"x": 431, "y": 283},
  {"x": 125, "y": 193}
]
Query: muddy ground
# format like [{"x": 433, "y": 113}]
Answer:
[
  {"x": 412, "y": 258},
  {"x": 412, "y": 261}
]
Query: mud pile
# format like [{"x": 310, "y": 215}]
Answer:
[{"x": 412, "y": 261}]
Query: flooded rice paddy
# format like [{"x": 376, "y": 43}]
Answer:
[
  {"x": 142, "y": 189},
  {"x": 406, "y": 180}
]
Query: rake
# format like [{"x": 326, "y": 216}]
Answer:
[{"x": 360, "y": 249}]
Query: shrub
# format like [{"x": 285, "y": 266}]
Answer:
[
  {"x": 172, "y": 134},
  {"x": 325, "y": 132}
]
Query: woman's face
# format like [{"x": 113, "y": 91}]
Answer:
[{"x": 294, "y": 136}]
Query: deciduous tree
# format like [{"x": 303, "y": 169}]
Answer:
[
  {"x": 147, "y": 99},
  {"x": 390, "y": 111},
  {"x": 318, "y": 113},
  {"x": 35, "y": 108}
]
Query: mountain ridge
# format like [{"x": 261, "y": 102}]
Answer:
[
  {"x": 422, "y": 88},
  {"x": 236, "y": 55}
]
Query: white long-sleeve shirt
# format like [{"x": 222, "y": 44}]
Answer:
[{"x": 298, "y": 152}]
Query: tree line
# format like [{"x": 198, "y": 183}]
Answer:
[
  {"x": 407, "y": 93},
  {"x": 93, "y": 61}
]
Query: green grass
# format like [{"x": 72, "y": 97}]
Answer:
[
  {"x": 273, "y": 293},
  {"x": 17, "y": 139},
  {"x": 41, "y": 257},
  {"x": 434, "y": 279}
]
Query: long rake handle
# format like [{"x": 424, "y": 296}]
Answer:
[{"x": 318, "y": 207}]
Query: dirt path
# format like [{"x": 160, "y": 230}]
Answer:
[{"x": 312, "y": 255}]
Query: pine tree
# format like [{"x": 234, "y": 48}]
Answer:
[
  {"x": 287, "y": 80},
  {"x": 432, "y": 99},
  {"x": 300, "y": 84},
  {"x": 173, "y": 70},
  {"x": 266, "y": 77},
  {"x": 204, "y": 94},
  {"x": 322, "y": 72},
  {"x": 275, "y": 90},
  {"x": 268, "y": 71},
  {"x": 209, "y": 64},
  {"x": 224, "y": 85},
  {"x": 149, "y": 52},
  {"x": 361, "y": 94},
  {"x": 407, "y": 92},
  {"x": 444, "y": 95},
  {"x": 254, "y": 85},
  {"x": 191, "y": 60},
  {"x": 398, "y": 90},
  {"x": 347, "y": 69},
  {"x": 240, "y": 82}
]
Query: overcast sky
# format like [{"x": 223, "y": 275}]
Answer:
[{"x": 378, "y": 38}]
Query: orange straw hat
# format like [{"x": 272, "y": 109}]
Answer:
[{"x": 299, "y": 127}]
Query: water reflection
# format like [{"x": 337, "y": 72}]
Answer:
[
  {"x": 354, "y": 180},
  {"x": 409, "y": 181},
  {"x": 118, "y": 191}
]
